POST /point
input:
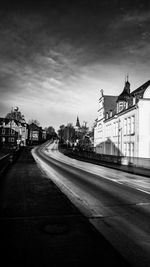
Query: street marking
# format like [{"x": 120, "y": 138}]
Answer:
[
  {"x": 142, "y": 203},
  {"x": 56, "y": 157}
]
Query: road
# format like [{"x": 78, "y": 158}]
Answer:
[{"x": 115, "y": 202}]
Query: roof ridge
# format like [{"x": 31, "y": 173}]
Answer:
[{"x": 144, "y": 85}]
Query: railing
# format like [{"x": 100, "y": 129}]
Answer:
[
  {"x": 8, "y": 159},
  {"x": 4, "y": 162}
]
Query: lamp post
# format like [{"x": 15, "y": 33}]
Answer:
[{"x": 67, "y": 143}]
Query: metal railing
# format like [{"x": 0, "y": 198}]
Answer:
[
  {"x": 4, "y": 162},
  {"x": 8, "y": 159}
]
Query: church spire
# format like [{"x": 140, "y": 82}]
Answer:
[{"x": 78, "y": 123}]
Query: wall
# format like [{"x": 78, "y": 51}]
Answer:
[
  {"x": 113, "y": 139},
  {"x": 144, "y": 128},
  {"x": 111, "y": 159}
]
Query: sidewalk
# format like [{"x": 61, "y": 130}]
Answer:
[{"x": 39, "y": 226}]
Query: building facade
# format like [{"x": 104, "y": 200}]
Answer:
[
  {"x": 35, "y": 134},
  {"x": 123, "y": 124},
  {"x": 12, "y": 132}
]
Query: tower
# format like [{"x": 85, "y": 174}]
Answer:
[
  {"x": 123, "y": 98},
  {"x": 77, "y": 122}
]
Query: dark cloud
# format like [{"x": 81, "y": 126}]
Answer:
[
  {"x": 87, "y": 31},
  {"x": 44, "y": 44}
]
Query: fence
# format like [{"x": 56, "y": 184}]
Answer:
[{"x": 9, "y": 158}]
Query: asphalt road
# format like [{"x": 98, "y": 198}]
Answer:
[
  {"x": 115, "y": 202},
  {"x": 39, "y": 226}
]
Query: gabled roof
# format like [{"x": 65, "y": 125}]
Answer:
[
  {"x": 123, "y": 96},
  {"x": 141, "y": 89},
  {"x": 6, "y": 120},
  {"x": 34, "y": 127},
  {"x": 109, "y": 102},
  {"x": 18, "y": 123}
]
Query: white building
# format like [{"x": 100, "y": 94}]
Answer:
[
  {"x": 123, "y": 123},
  {"x": 13, "y": 131}
]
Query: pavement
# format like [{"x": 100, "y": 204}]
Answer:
[{"x": 39, "y": 226}]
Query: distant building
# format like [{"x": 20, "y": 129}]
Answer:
[
  {"x": 123, "y": 123},
  {"x": 12, "y": 132},
  {"x": 44, "y": 135},
  {"x": 35, "y": 134}
]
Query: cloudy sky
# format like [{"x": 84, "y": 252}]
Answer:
[{"x": 55, "y": 56}]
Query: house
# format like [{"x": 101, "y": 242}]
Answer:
[
  {"x": 34, "y": 134},
  {"x": 123, "y": 124},
  {"x": 12, "y": 132}
]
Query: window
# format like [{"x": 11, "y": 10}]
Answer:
[
  {"x": 11, "y": 140},
  {"x": 3, "y": 131},
  {"x": 129, "y": 125},
  {"x": 125, "y": 126},
  {"x": 120, "y": 106},
  {"x": 132, "y": 124},
  {"x": 115, "y": 128},
  {"x": 12, "y": 131},
  {"x": 134, "y": 100},
  {"x": 100, "y": 130},
  {"x": 3, "y": 139},
  {"x": 125, "y": 149},
  {"x": 128, "y": 149},
  {"x": 108, "y": 130}
]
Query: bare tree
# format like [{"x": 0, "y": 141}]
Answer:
[{"x": 15, "y": 114}]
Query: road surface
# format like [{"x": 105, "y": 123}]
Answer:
[{"x": 115, "y": 202}]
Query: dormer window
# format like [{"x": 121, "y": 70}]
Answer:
[
  {"x": 120, "y": 106},
  {"x": 3, "y": 131},
  {"x": 134, "y": 101},
  {"x": 12, "y": 131}
]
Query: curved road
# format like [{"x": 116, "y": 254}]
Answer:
[{"x": 115, "y": 202}]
